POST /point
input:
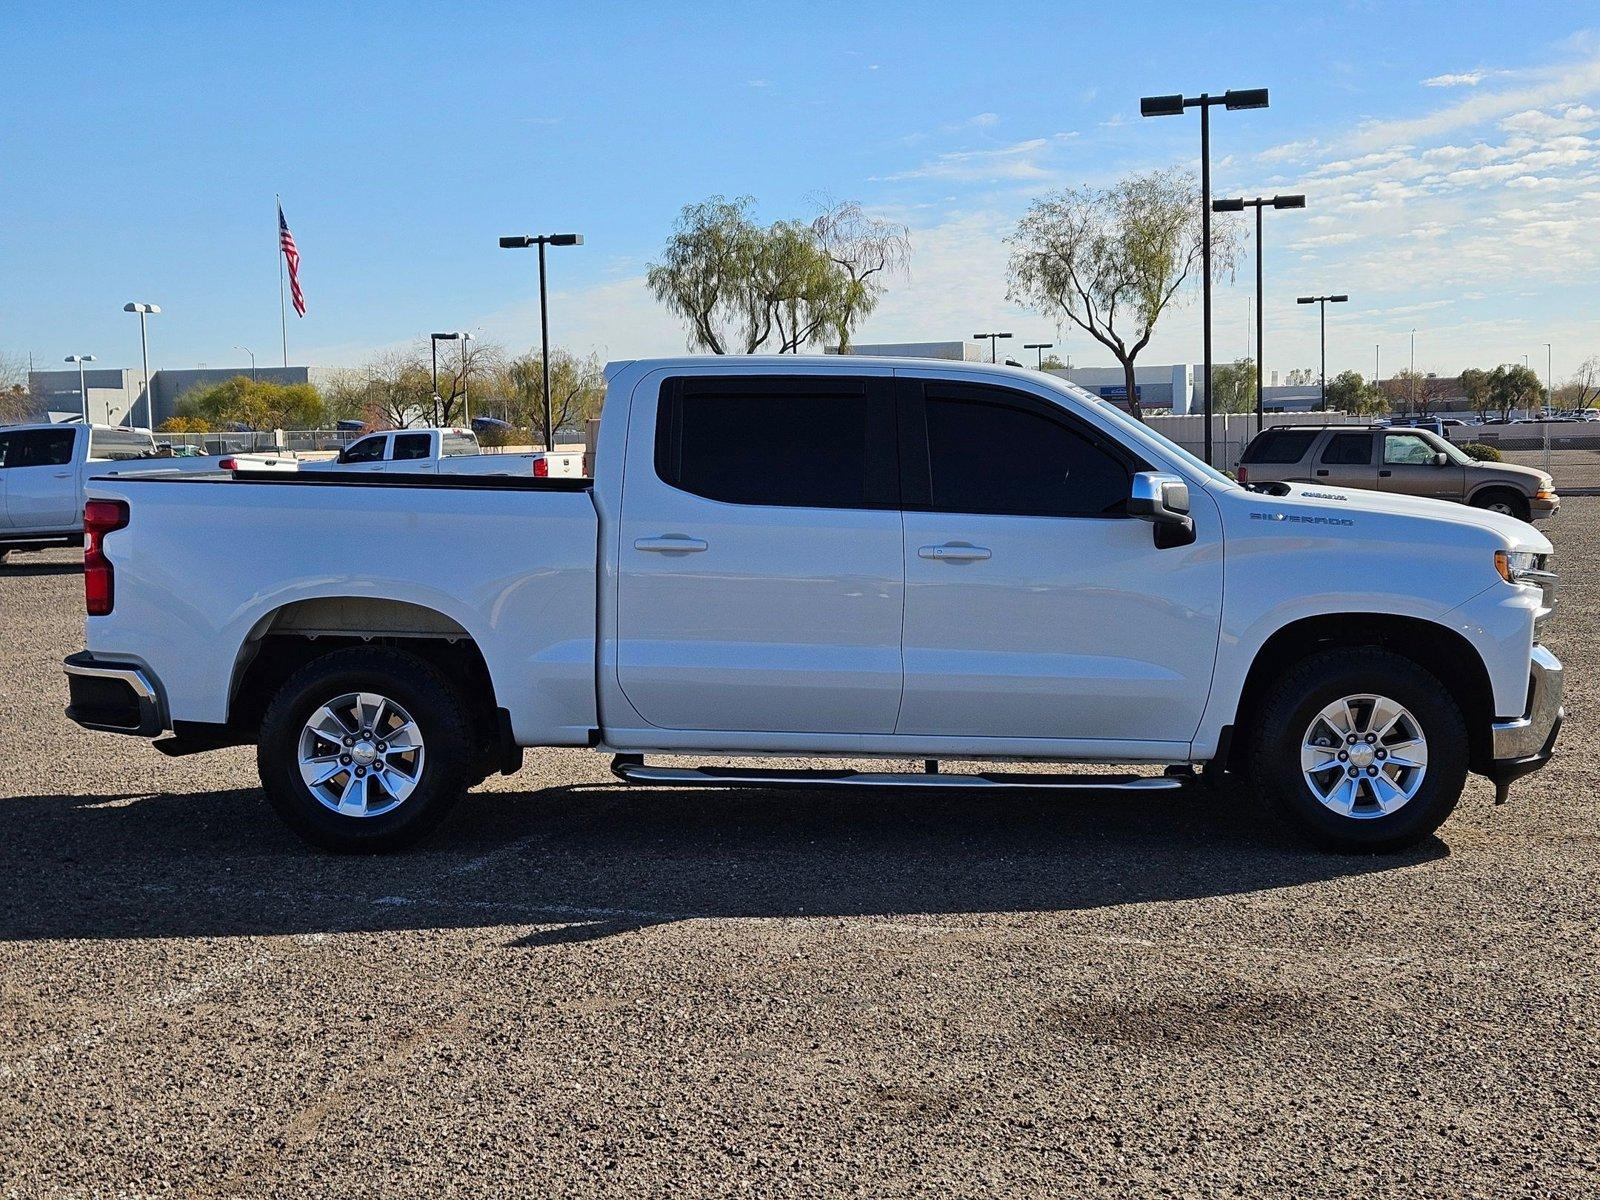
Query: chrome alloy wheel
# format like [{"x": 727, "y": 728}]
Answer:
[
  {"x": 1500, "y": 506},
  {"x": 361, "y": 755},
  {"x": 1364, "y": 756}
]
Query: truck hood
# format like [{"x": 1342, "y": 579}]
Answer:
[
  {"x": 1312, "y": 505},
  {"x": 1531, "y": 477}
]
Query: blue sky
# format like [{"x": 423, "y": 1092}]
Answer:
[{"x": 1450, "y": 153}]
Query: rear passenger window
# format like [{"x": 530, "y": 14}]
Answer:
[
  {"x": 1279, "y": 446},
  {"x": 119, "y": 445},
  {"x": 1348, "y": 450},
  {"x": 412, "y": 445},
  {"x": 988, "y": 457},
  {"x": 794, "y": 443},
  {"x": 41, "y": 448}
]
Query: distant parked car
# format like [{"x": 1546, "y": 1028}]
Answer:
[
  {"x": 444, "y": 452},
  {"x": 1409, "y": 462}
]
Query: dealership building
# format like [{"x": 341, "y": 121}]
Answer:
[{"x": 111, "y": 394}]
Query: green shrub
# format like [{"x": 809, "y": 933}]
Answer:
[{"x": 1482, "y": 452}]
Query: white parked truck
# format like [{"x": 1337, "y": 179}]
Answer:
[
  {"x": 45, "y": 468},
  {"x": 888, "y": 559},
  {"x": 444, "y": 452}
]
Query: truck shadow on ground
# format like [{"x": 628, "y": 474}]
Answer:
[{"x": 575, "y": 863}]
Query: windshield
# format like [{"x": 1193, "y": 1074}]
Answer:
[{"x": 1139, "y": 429}]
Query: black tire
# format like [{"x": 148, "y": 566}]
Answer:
[
  {"x": 1291, "y": 704},
  {"x": 447, "y": 765},
  {"x": 1507, "y": 500}
]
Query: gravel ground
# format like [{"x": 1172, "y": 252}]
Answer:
[{"x": 578, "y": 989}]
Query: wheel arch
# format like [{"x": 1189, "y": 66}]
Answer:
[
  {"x": 286, "y": 638},
  {"x": 1435, "y": 647}
]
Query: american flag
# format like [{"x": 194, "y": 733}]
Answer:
[{"x": 292, "y": 257}]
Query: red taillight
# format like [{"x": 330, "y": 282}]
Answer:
[
  {"x": 1244, "y": 475},
  {"x": 100, "y": 517},
  {"x": 541, "y": 468},
  {"x": 229, "y": 464}
]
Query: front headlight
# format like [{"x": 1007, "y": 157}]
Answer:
[{"x": 1515, "y": 566}]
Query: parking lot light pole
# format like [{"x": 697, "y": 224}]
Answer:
[
  {"x": 83, "y": 392},
  {"x": 466, "y": 408},
  {"x": 522, "y": 242},
  {"x": 434, "y": 340},
  {"x": 1173, "y": 106},
  {"x": 1549, "y": 400},
  {"x": 1322, "y": 303},
  {"x": 1239, "y": 204},
  {"x": 994, "y": 341},
  {"x": 1041, "y": 347},
  {"x": 145, "y": 310},
  {"x": 252, "y": 355}
]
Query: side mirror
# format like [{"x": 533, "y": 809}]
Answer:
[
  {"x": 1163, "y": 500},
  {"x": 1441, "y": 459}
]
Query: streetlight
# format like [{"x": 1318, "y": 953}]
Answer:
[
  {"x": 1411, "y": 373},
  {"x": 1041, "y": 347},
  {"x": 83, "y": 392},
  {"x": 252, "y": 355},
  {"x": 466, "y": 409},
  {"x": 1549, "y": 400},
  {"x": 994, "y": 341},
  {"x": 145, "y": 310},
  {"x": 1322, "y": 302},
  {"x": 1239, "y": 204},
  {"x": 1173, "y": 106},
  {"x": 522, "y": 242},
  {"x": 1375, "y": 379},
  {"x": 433, "y": 344}
]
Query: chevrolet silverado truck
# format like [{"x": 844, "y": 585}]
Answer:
[
  {"x": 443, "y": 452},
  {"x": 867, "y": 559}
]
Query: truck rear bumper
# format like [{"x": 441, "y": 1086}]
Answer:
[
  {"x": 112, "y": 697},
  {"x": 1524, "y": 744}
]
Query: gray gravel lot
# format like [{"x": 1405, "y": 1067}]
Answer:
[{"x": 578, "y": 989}]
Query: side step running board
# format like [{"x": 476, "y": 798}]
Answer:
[{"x": 630, "y": 768}]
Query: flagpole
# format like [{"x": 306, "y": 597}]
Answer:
[{"x": 283, "y": 315}]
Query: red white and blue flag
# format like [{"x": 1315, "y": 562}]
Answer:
[{"x": 292, "y": 256}]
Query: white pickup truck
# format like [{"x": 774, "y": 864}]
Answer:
[
  {"x": 45, "y": 469},
  {"x": 889, "y": 559},
  {"x": 444, "y": 452}
]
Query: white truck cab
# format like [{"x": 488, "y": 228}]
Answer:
[{"x": 885, "y": 558}]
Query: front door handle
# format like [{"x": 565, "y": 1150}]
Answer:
[
  {"x": 1384, "y": 474},
  {"x": 673, "y": 543},
  {"x": 63, "y": 475},
  {"x": 954, "y": 552},
  {"x": 1322, "y": 471}
]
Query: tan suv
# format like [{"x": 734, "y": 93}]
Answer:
[{"x": 1412, "y": 462}]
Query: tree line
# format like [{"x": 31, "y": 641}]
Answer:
[{"x": 395, "y": 390}]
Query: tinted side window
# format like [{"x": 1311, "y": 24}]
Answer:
[
  {"x": 991, "y": 457},
  {"x": 795, "y": 443},
  {"x": 366, "y": 450},
  {"x": 119, "y": 445},
  {"x": 1279, "y": 446},
  {"x": 411, "y": 445},
  {"x": 41, "y": 448},
  {"x": 1348, "y": 450}
]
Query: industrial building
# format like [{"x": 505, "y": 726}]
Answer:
[{"x": 114, "y": 393}]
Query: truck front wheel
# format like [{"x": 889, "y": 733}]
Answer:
[
  {"x": 1361, "y": 749},
  {"x": 365, "y": 749},
  {"x": 1503, "y": 500}
]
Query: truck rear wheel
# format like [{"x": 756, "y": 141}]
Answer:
[
  {"x": 365, "y": 749},
  {"x": 1361, "y": 749}
]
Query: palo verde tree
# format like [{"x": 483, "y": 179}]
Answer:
[
  {"x": 1233, "y": 386},
  {"x": 1111, "y": 260},
  {"x": 742, "y": 287}
]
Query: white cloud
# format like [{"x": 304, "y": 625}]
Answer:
[
  {"x": 1020, "y": 160},
  {"x": 982, "y": 120},
  {"x": 1464, "y": 79}
]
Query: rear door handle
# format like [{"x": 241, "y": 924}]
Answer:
[
  {"x": 674, "y": 543},
  {"x": 63, "y": 475},
  {"x": 1322, "y": 472},
  {"x": 1385, "y": 474},
  {"x": 954, "y": 552}
]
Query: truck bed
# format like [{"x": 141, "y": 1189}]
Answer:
[{"x": 208, "y": 566}]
